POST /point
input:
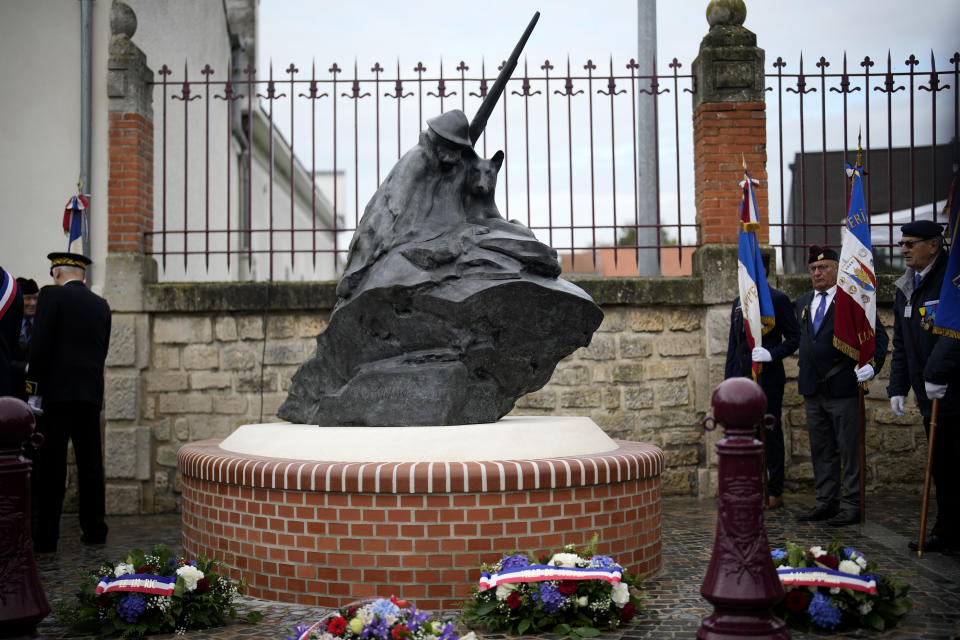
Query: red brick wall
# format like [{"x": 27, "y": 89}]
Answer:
[
  {"x": 130, "y": 185},
  {"x": 325, "y": 534},
  {"x": 722, "y": 131}
]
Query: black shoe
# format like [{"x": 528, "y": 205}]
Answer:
[
  {"x": 934, "y": 542},
  {"x": 819, "y": 512},
  {"x": 844, "y": 518}
]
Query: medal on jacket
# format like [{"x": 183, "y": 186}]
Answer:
[{"x": 926, "y": 321}]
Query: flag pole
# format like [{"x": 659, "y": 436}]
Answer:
[{"x": 925, "y": 501}]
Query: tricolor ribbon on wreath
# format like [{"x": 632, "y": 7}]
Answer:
[
  {"x": 544, "y": 572},
  {"x": 139, "y": 582}
]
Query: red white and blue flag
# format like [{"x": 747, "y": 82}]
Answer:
[
  {"x": 755, "y": 301},
  {"x": 855, "y": 310},
  {"x": 75, "y": 222},
  {"x": 947, "y": 322},
  {"x": 8, "y": 291}
]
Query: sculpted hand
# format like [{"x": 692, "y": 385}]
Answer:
[
  {"x": 864, "y": 373},
  {"x": 761, "y": 355},
  {"x": 896, "y": 405},
  {"x": 935, "y": 390}
]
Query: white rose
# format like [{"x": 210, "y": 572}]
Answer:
[
  {"x": 816, "y": 551},
  {"x": 565, "y": 560},
  {"x": 620, "y": 594},
  {"x": 582, "y": 601},
  {"x": 122, "y": 569},
  {"x": 849, "y": 566},
  {"x": 865, "y": 608},
  {"x": 862, "y": 562},
  {"x": 834, "y": 590},
  {"x": 190, "y": 575},
  {"x": 503, "y": 590}
]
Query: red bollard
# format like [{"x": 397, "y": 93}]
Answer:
[
  {"x": 741, "y": 581},
  {"x": 22, "y": 601}
]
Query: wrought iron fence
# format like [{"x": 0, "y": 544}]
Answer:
[{"x": 243, "y": 193}]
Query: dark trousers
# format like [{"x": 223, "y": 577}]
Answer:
[
  {"x": 774, "y": 441},
  {"x": 78, "y": 422},
  {"x": 833, "y": 424},
  {"x": 946, "y": 453}
]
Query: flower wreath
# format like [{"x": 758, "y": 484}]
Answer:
[
  {"x": 836, "y": 586},
  {"x": 155, "y": 592},
  {"x": 379, "y": 619},
  {"x": 567, "y": 593}
]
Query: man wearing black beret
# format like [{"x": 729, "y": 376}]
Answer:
[
  {"x": 828, "y": 381},
  {"x": 930, "y": 365}
]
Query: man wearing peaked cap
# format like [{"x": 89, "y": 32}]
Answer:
[
  {"x": 65, "y": 381},
  {"x": 828, "y": 381},
  {"x": 929, "y": 364}
]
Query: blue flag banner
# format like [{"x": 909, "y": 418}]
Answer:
[
  {"x": 755, "y": 301},
  {"x": 947, "y": 322}
]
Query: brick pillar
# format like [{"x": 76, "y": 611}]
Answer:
[
  {"x": 729, "y": 126},
  {"x": 127, "y": 442}
]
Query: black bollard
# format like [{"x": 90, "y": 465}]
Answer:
[
  {"x": 741, "y": 581},
  {"x": 22, "y": 601}
]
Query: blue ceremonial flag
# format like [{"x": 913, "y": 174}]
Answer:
[
  {"x": 755, "y": 301},
  {"x": 855, "y": 304},
  {"x": 947, "y": 322}
]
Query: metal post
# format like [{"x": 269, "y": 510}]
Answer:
[{"x": 647, "y": 221}]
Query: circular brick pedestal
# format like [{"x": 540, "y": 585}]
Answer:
[{"x": 328, "y": 533}]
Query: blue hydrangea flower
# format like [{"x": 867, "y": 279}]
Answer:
[
  {"x": 603, "y": 562},
  {"x": 823, "y": 613},
  {"x": 778, "y": 554},
  {"x": 384, "y": 608},
  {"x": 510, "y": 563},
  {"x": 131, "y": 606},
  {"x": 551, "y": 597}
]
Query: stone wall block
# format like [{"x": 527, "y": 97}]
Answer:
[
  {"x": 898, "y": 440},
  {"x": 120, "y": 452},
  {"x": 683, "y": 321},
  {"x": 897, "y": 471},
  {"x": 679, "y": 345},
  {"x": 635, "y": 346},
  {"x": 225, "y": 329},
  {"x": 161, "y": 482},
  {"x": 291, "y": 352},
  {"x": 614, "y": 321},
  {"x": 718, "y": 330},
  {"x": 281, "y": 327},
  {"x": 791, "y": 367},
  {"x": 230, "y": 404},
  {"x": 611, "y": 398},
  {"x": 707, "y": 483},
  {"x": 667, "y": 369},
  {"x": 161, "y": 430},
  {"x": 123, "y": 341},
  {"x": 799, "y": 472},
  {"x": 800, "y": 443},
  {"x": 167, "y": 455},
  {"x": 184, "y": 403},
  {"x": 582, "y": 398},
  {"x": 677, "y": 482},
  {"x": 638, "y": 398},
  {"x": 271, "y": 405},
  {"x": 210, "y": 380},
  {"x": 121, "y": 395},
  {"x": 681, "y": 457},
  {"x": 200, "y": 356},
  {"x": 165, "y": 358},
  {"x": 159, "y": 381},
  {"x": 122, "y": 499},
  {"x": 569, "y": 376},
  {"x": 629, "y": 373},
  {"x": 250, "y": 327},
  {"x": 619, "y": 426},
  {"x": 181, "y": 429},
  {"x": 602, "y": 347},
  {"x": 646, "y": 321},
  {"x": 149, "y": 408},
  {"x": 237, "y": 357},
  {"x": 682, "y": 436},
  {"x": 181, "y": 329},
  {"x": 251, "y": 381},
  {"x": 673, "y": 394},
  {"x": 207, "y": 427},
  {"x": 286, "y": 376},
  {"x": 540, "y": 399}
]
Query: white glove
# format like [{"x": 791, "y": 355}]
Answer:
[
  {"x": 896, "y": 405},
  {"x": 34, "y": 403},
  {"x": 864, "y": 373},
  {"x": 761, "y": 355},
  {"x": 935, "y": 390}
]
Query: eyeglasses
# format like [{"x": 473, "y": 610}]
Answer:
[
  {"x": 908, "y": 244},
  {"x": 820, "y": 267}
]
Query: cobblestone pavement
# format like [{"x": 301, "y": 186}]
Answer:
[{"x": 675, "y": 604}]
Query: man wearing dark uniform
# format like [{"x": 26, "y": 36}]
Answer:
[
  {"x": 30, "y": 293},
  {"x": 777, "y": 344},
  {"x": 11, "y": 312},
  {"x": 930, "y": 365},
  {"x": 828, "y": 381},
  {"x": 65, "y": 380}
]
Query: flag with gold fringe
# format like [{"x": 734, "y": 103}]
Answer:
[
  {"x": 947, "y": 322},
  {"x": 755, "y": 301},
  {"x": 855, "y": 305}
]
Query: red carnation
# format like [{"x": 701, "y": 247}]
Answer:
[
  {"x": 567, "y": 587},
  {"x": 628, "y": 611},
  {"x": 352, "y": 611},
  {"x": 146, "y": 569},
  {"x": 400, "y": 632},
  {"x": 513, "y": 601},
  {"x": 203, "y": 585},
  {"x": 337, "y": 625},
  {"x": 797, "y": 601},
  {"x": 829, "y": 562}
]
